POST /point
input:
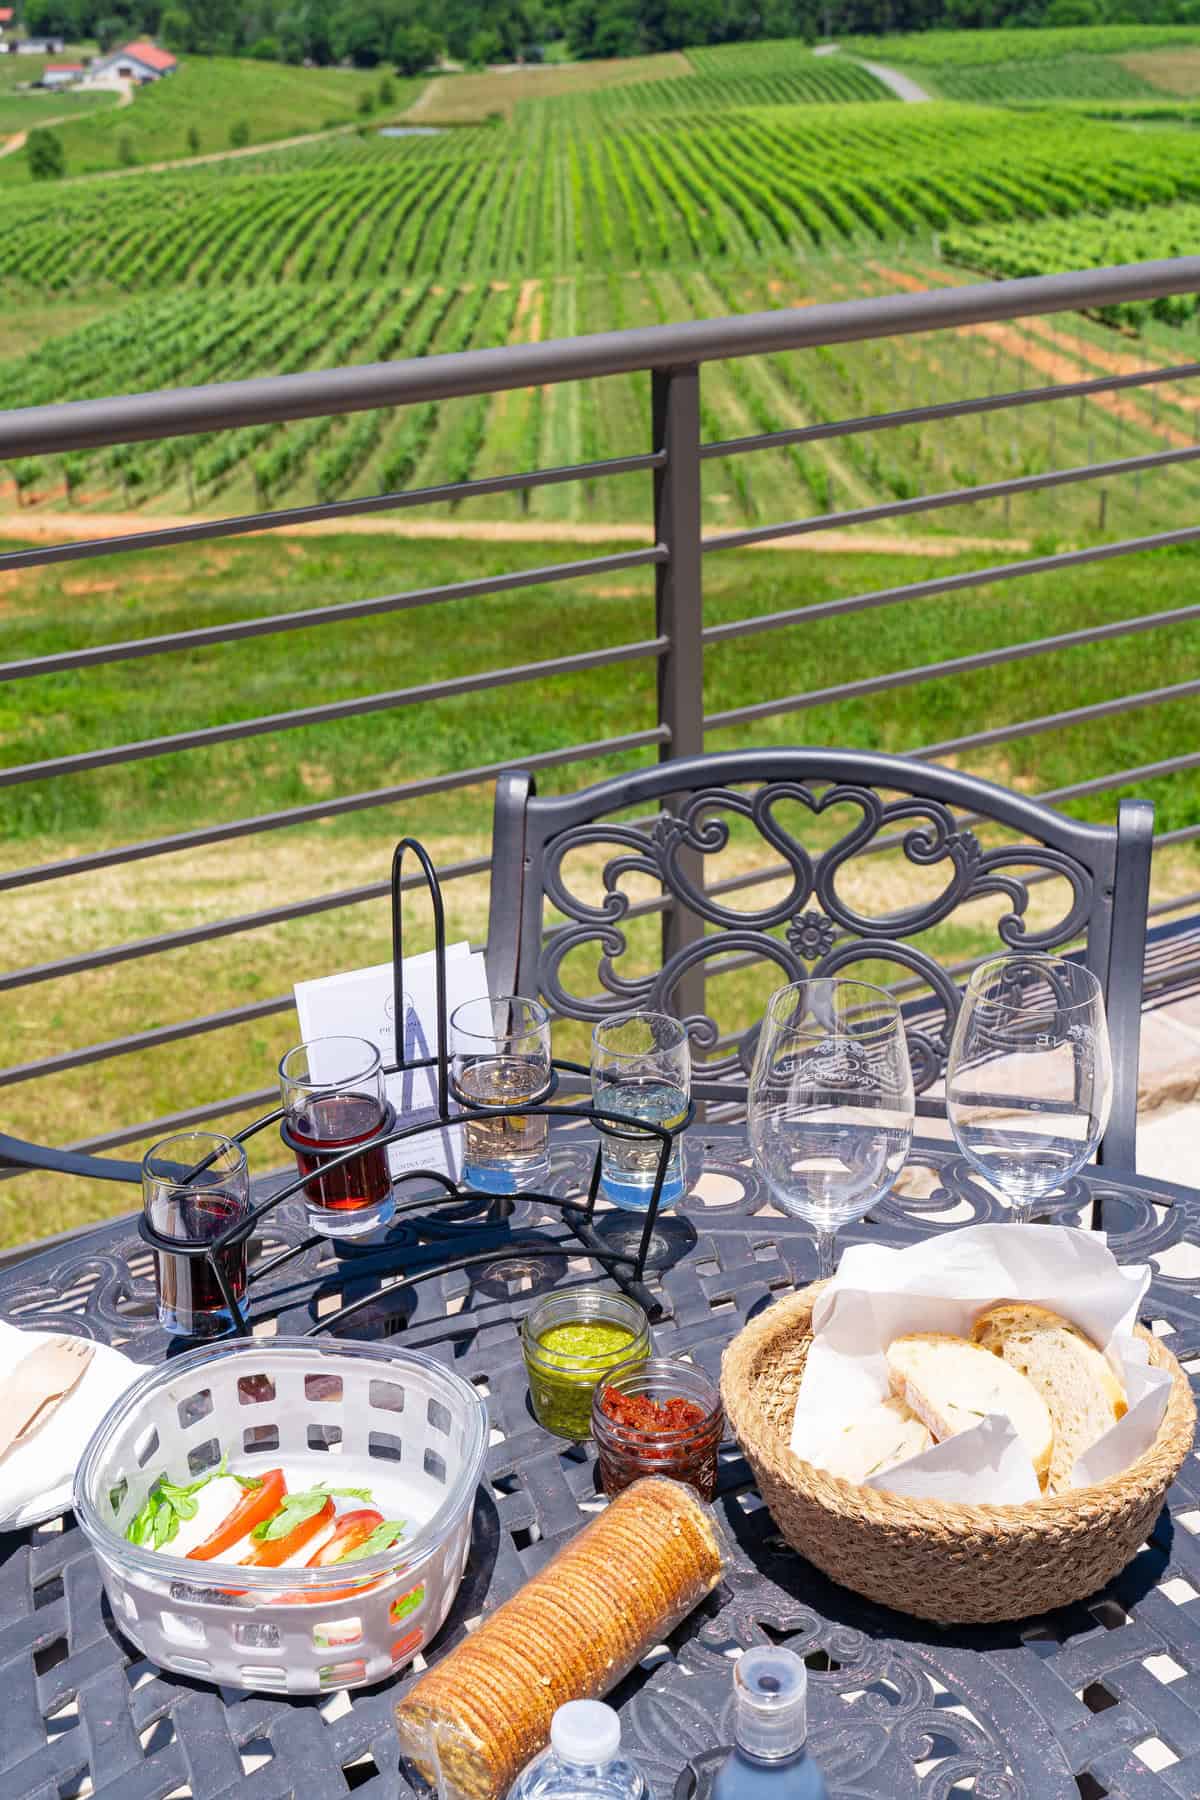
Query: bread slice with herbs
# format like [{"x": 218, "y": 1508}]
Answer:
[
  {"x": 952, "y": 1383},
  {"x": 1074, "y": 1378},
  {"x": 886, "y": 1434}
]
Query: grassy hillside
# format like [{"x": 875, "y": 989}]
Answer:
[
  {"x": 23, "y": 112},
  {"x": 935, "y": 49},
  {"x": 209, "y": 95}
]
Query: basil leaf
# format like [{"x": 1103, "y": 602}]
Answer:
[
  {"x": 295, "y": 1510},
  {"x": 169, "y": 1502},
  {"x": 139, "y": 1525},
  {"x": 382, "y": 1538},
  {"x": 249, "y": 1482},
  {"x": 342, "y": 1493}
]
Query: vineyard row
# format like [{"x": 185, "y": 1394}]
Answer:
[{"x": 557, "y": 197}]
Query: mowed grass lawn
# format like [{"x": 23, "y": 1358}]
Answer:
[
  {"x": 25, "y": 112},
  {"x": 211, "y": 94},
  {"x": 117, "y": 599}
]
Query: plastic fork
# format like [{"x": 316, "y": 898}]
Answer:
[{"x": 40, "y": 1382}]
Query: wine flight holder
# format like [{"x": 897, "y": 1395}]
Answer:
[{"x": 626, "y": 1268}]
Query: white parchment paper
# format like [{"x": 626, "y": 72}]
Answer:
[{"x": 942, "y": 1284}]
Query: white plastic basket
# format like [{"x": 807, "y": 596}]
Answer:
[{"x": 352, "y": 1414}]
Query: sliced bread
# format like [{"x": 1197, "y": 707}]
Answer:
[
  {"x": 951, "y": 1384},
  {"x": 886, "y": 1434},
  {"x": 1073, "y": 1377}
]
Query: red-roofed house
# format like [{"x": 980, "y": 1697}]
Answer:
[
  {"x": 57, "y": 75},
  {"x": 141, "y": 61}
]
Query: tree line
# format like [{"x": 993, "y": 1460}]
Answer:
[{"x": 414, "y": 34}]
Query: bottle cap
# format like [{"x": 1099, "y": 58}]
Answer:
[
  {"x": 771, "y": 1700},
  {"x": 585, "y": 1731}
]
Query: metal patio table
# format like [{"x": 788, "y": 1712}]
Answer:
[{"x": 1098, "y": 1698}]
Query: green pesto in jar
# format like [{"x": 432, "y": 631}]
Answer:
[
  {"x": 588, "y": 1337},
  {"x": 561, "y": 1390}
]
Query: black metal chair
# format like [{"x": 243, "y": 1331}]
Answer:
[{"x": 918, "y": 809}]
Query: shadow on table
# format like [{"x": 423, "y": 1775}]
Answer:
[{"x": 767, "y": 1555}]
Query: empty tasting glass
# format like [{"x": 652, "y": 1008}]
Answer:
[
  {"x": 830, "y": 1108},
  {"x": 642, "y": 1067},
  {"x": 334, "y": 1097},
  {"x": 500, "y": 1051},
  {"x": 1029, "y": 1076},
  {"x": 194, "y": 1187}
]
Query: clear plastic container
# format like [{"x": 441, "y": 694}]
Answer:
[
  {"x": 393, "y": 1421},
  {"x": 583, "y": 1759},
  {"x": 561, "y": 1377},
  {"x": 686, "y": 1452}
]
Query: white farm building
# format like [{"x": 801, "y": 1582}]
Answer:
[{"x": 141, "y": 61}]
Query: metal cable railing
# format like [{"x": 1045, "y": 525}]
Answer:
[{"x": 676, "y": 551}]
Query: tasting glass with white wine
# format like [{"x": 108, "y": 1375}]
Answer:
[{"x": 500, "y": 1056}]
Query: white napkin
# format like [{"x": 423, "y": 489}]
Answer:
[
  {"x": 941, "y": 1284},
  {"x": 38, "y": 1473}
]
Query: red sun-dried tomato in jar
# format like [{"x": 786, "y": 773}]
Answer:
[{"x": 658, "y": 1417}]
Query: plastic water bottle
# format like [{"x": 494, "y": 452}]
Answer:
[
  {"x": 770, "y": 1760},
  {"x": 583, "y": 1760}
]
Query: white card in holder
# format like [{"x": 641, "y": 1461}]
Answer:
[{"x": 360, "y": 1004}]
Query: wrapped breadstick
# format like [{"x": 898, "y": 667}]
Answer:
[{"x": 473, "y": 1721}]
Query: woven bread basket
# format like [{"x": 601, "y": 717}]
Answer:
[{"x": 935, "y": 1559}]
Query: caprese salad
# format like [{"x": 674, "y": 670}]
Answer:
[{"x": 257, "y": 1521}]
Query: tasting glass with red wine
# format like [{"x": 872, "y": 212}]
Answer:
[
  {"x": 194, "y": 1187},
  {"x": 334, "y": 1099}
]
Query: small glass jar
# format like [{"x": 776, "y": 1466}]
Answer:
[
  {"x": 571, "y": 1341},
  {"x": 639, "y": 1432}
]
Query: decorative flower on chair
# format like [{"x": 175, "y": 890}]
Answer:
[
  {"x": 968, "y": 846},
  {"x": 810, "y": 935},
  {"x": 666, "y": 832}
]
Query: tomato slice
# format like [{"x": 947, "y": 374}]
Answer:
[
  {"x": 272, "y": 1551},
  {"x": 255, "y": 1505},
  {"x": 351, "y": 1530}
]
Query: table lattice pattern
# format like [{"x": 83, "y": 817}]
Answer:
[{"x": 1101, "y": 1698}]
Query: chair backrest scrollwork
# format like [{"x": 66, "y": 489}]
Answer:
[{"x": 975, "y": 840}]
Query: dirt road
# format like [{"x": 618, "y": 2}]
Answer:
[
  {"x": 55, "y": 527},
  {"x": 903, "y": 86}
]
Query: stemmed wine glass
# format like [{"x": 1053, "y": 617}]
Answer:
[
  {"x": 1029, "y": 1076},
  {"x": 830, "y": 1108}
]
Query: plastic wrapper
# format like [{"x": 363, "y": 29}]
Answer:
[{"x": 572, "y": 1632}]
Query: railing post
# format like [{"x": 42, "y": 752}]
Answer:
[{"x": 679, "y": 616}]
